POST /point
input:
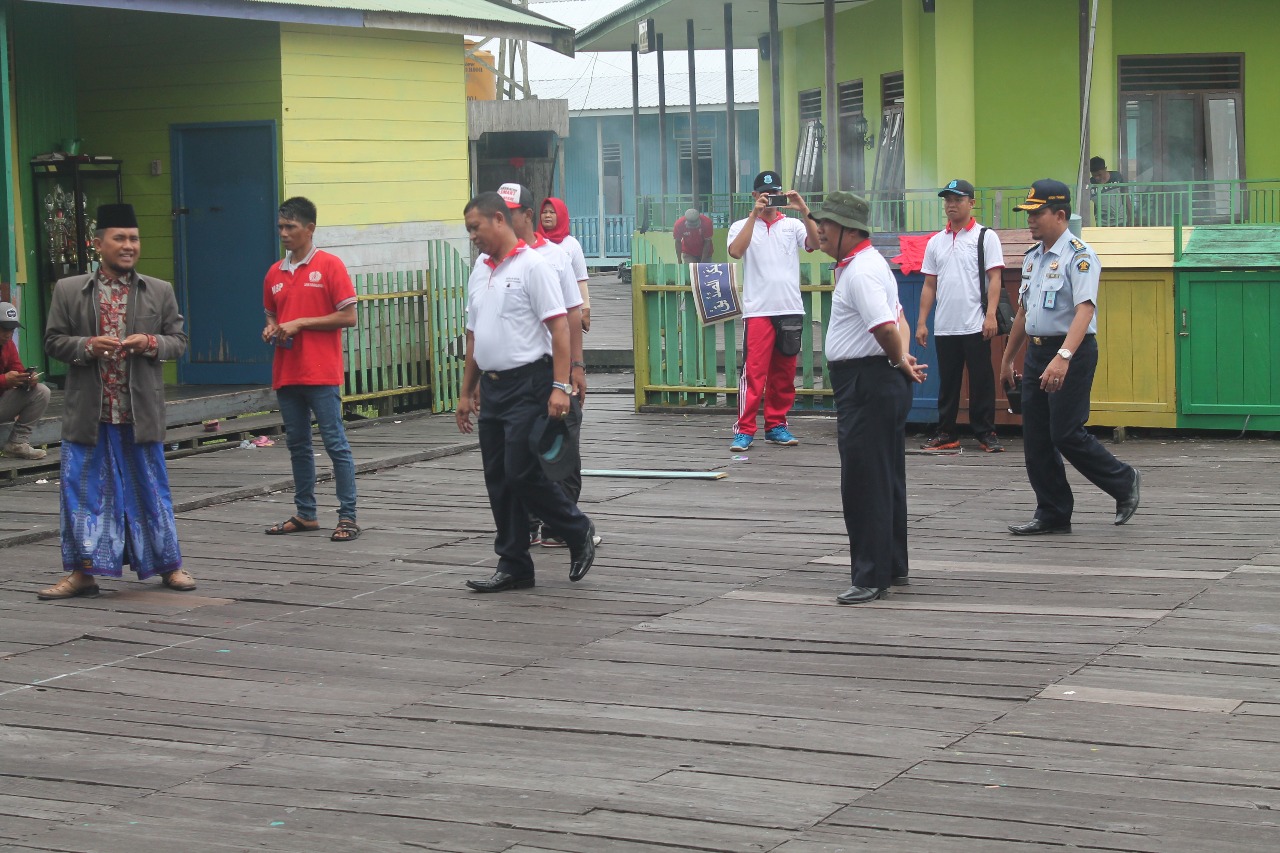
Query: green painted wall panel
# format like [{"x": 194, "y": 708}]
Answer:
[
  {"x": 1239, "y": 26},
  {"x": 1028, "y": 87}
]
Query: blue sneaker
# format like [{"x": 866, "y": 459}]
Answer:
[
  {"x": 781, "y": 435},
  {"x": 741, "y": 441}
]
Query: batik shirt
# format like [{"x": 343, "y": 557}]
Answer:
[{"x": 113, "y": 303}]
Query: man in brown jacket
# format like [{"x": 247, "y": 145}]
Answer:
[{"x": 113, "y": 329}]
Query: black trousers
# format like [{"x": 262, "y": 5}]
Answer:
[
  {"x": 1053, "y": 428},
  {"x": 955, "y": 353},
  {"x": 872, "y": 403},
  {"x": 512, "y": 475}
]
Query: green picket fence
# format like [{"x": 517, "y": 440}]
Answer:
[
  {"x": 681, "y": 363},
  {"x": 407, "y": 346}
]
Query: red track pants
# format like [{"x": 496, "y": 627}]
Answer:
[{"x": 765, "y": 374}]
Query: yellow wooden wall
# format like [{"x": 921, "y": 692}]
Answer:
[
  {"x": 163, "y": 70},
  {"x": 1135, "y": 383},
  {"x": 375, "y": 124}
]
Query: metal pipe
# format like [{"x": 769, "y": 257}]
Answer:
[
  {"x": 829, "y": 37},
  {"x": 662, "y": 117},
  {"x": 775, "y": 77},
  {"x": 635, "y": 127},
  {"x": 1083, "y": 207},
  {"x": 693, "y": 116}
]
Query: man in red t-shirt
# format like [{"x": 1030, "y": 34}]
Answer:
[
  {"x": 692, "y": 234},
  {"x": 309, "y": 300}
]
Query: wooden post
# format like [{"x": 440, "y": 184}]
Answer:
[
  {"x": 635, "y": 132},
  {"x": 662, "y": 119},
  {"x": 833, "y": 150},
  {"x": 775, "y": 76},
  {"x": 693, "y": 117},
  {"x": 730, "y": 119}
]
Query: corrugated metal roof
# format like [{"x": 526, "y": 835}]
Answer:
[
  {"x": 610, "y": 93},
  {"x": 472, "y": 10}
]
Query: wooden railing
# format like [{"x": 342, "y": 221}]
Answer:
[
  {"x": 680, "y": 362},
  {"x": 407, "y": 346}
]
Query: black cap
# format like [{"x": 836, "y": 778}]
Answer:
[
  {"x": 957, "y": 187},
  {"x": 517, "y": 196},
  {"x": 116, "y": 216},
  {"x": 1097, "y": 164},
  {"x": 767, "y": 182},
  {"x": 1046, "y": 192},
  {"x": 554, "y": 441}
]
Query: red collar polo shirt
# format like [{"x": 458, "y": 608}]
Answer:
[
  {"x": 316, "y": 286},
  {"x": 952, "y": 256},
  {"x": 508, "y": 304},
  {"x": 771, "y": 266},
  {"x": 865, "y": 298}
]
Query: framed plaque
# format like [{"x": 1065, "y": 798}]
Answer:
[{"x": 715, "y": 292}]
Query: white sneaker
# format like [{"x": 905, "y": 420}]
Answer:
[{"x": 23, "y": 451}]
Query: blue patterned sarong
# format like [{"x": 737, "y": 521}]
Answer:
[{"x": 116, "y": 506}]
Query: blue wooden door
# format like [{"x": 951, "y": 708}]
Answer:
[
  {"x": 924, "y": 403},
  {"x": 225, "y": 187}
]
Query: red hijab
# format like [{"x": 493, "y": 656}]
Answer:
[{"x": 557, "y": 234}]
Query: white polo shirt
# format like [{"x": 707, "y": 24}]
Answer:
[
  {"x": 771, "y": 266},
  {"x": 559, "y": 261},
  {"x": 508, "y": 304},
  {"x": 866, "y": 296},
  {"x": 577, "y": 260},
  {"x": 952, "y": 256}
]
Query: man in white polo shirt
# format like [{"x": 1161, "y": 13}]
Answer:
[
  {"x": 769, "y": 244},
  {"x": 518, "y": 359},
  {"x": 871, "y": 376},
  {"x": 520, "y": 202},
  {"x": 962, "y": 331}
]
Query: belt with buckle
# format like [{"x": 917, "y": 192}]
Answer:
[
  {"x": 517, "y": 372},
  {"x": 1052, "y": 340}
]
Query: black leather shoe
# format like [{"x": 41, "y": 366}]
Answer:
[
  {"x": 501, "y": 582},
  {"x": 902, "y": 581},
  {"x": 583, "y": 555},
  {"x": 1127, "y": 507},
  {"x": 1036, "y": 527},
  {"x": 861, "y": 595}
]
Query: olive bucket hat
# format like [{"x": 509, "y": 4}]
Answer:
[{"x": 845, "y": 209}]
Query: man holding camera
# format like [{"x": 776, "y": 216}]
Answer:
[
  {"x": 769, "y": 243},
  {"x": 1057, "y": 320},
  {"x": 22, "y": 398}
]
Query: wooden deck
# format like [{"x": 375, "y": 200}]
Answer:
[{"x": 1114, "y": 690}]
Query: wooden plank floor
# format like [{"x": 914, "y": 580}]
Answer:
[{"x": 1114, "y": 690}]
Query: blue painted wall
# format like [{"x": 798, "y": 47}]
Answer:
[{"x": 581, "y": 155}]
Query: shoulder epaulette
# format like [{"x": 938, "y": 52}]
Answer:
[{"x": 1078, "y": 246}]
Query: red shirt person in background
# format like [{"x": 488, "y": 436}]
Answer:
[
  {"x": 23, "y": 400},
  {"x": 309, "y": 299},
  {"x": 692, "y": 234}
]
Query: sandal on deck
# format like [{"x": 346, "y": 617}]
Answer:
[
  {"x": 346, "y": 531},
  {"x": 283, "y": 528}
]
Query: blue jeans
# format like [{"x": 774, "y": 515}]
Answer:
[{"x": 297, "y": 404}]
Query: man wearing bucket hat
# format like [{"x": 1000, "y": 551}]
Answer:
[
  {"x": 23, "y": 400},
  {"x": 1057, "y": 319},
  {"x": 871, "y": 374},
  {"x": 769, "y": 244}
]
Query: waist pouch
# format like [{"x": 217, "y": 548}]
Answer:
[{"x": 789, "y": 329}]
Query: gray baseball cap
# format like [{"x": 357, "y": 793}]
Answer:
[{"x": 9, "y": 316}]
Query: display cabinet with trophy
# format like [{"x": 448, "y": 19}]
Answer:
[{"x": 68, "y": 189}]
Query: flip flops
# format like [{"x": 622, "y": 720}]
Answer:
[{"x": 283, "y": 528}]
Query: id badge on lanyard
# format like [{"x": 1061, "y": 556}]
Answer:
[{"x": 1050, "y": 299}]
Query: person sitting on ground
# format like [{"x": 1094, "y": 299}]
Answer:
[
  {"x": 692, "y": 235},
  {"x": 23, "y": 400}
]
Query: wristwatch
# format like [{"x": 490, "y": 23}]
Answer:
[
  {"x": 1065, "y": 354},
  {"x": 563, "y": 386}
]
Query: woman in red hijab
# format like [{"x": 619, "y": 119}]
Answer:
[{"x": 554, "y": 226}]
